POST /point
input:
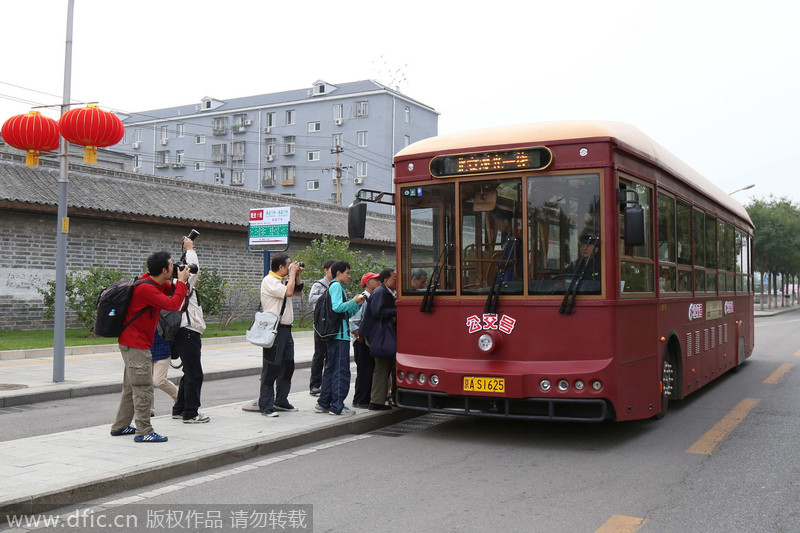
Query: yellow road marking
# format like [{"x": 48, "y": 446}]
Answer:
[
  {"x": 621, "y": 524},
  {"x": 778, "y": 374},
  {"x": 708, "y": 442}
]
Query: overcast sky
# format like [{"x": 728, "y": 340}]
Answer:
[{"x": 714, "y": 82}]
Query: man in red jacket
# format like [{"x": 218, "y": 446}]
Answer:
[{"x": 135, "y": 342}]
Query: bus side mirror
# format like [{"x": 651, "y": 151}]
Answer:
[
  {"x": 634, "y": 225},
  {"x": 356, "y": 220}
]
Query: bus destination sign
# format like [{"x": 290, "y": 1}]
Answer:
[{"x": 537, "y": 158}]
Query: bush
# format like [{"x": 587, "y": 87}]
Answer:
[
  {"x": 211, "y": 287},
  {"x": 82, "y": 290}
]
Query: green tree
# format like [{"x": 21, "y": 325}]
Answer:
[
  {"x": 328, "y": 247},
  {"x": 211, "y": 287},
  {"x": 776, "y": 246},
  {"x": 82, "y": 291}
]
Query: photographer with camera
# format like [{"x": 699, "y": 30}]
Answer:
[
  {"x": 277, "y": 289},
  {"x": 187, "y": 344},
  {"x": 135, "y": 341}
]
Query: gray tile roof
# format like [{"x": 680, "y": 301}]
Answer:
[{"x": 114, "y": 193}]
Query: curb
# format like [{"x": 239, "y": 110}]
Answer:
[{"x": 86, "y": 491}]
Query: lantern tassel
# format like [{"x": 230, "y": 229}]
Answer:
[
  {"x": 32, "y": 158},
  {"x": 90, "y": 154}
]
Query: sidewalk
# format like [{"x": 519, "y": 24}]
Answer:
[
  {"x": 50, "y": 471},
  {"x": 774, "y": 311}
]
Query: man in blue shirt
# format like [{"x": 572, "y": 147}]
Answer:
[{"x": 336, "y": 376}]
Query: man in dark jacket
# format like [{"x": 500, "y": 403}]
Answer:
[
  {"x": 381, "y": 331},
  {"x": 135, "y": 342}
]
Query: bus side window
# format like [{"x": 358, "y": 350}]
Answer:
[{"x": 636, "y": 262}]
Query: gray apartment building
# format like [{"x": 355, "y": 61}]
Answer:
[{"x": 320, "y": 143}]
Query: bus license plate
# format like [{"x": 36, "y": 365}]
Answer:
[{"x": 479, "y": 384}]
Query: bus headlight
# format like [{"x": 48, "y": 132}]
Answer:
[
  {"x": 422, "y": 379},
  {"x": 401, "y": 375},
  {"x": 434, "y": 380},
  {"x": 563, "y": 385},
  {"x": 410, "y": 377},
  {"x": 597, "y": 384},
  {"x": 485, "y": 343},
  {"x": 579, "y": 384},
  {"x": 545, "y": 385}
]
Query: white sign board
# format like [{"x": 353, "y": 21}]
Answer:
[{"x": 269, "y": 226}]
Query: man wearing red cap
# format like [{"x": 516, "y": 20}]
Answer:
[{"x": 365, "y": 365}]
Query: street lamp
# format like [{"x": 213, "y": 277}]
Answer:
[{"x": 743, "y": 188}]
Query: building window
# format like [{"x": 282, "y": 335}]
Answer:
[
  {"x": 407, "y": 113},
  {"x": 338, "y": 111},
  {"x": 219, "y": 153},
  {"x": 136, "y": 162},
  {"x": 179, "y": 159},
  {"x": 312, "y": 185},
  {"x": 219, "y": 178},
  {"x": 181, "y": 130},
  {"x": 200, "y": 139},
  {"x": 362, "y": 108},
  {"x": 237, "y": 177},
  {"x": 406, "y": 140},
  {"x": 237, "y": 150},
  {"x": 163, "y": 133},
  {"x": 290, "y": 117},
  {"x": 271, "y": 120},
  {"x": 268, "y": 177},
  {"x": 361, "y": 169},
  {"x": 313, "y": 155},
  {"x": 137, "y": 135},
  {"x": 219, "y": 125},
  {"x": 239, "y": 123},
  {"x": 199, "y": 165},
  {"x": 361, "y": 138},
  {"x": 337, "y": 141},
  {"x": 287, "y": 175},
  {"x": 313, "y": 126},
  {"x": 161, "y": 158},
  {"x": 269, "y": 145},
  {"x": 288, "y": 145}
]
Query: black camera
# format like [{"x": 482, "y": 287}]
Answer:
[
  {"x": 179, "y": 265},
  {"x": 301, "y": 264},
  {"x": 192, "y": 235}
]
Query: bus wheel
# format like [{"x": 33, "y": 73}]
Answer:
[{"x": 667, "y": 383}]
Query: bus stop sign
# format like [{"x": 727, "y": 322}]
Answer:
[{"x": 269, "y": 228}]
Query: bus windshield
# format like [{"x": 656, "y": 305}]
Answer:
[{"x": 524, "y": 234}]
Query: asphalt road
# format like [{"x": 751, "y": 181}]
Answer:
[{"x": 724, "y": 460}]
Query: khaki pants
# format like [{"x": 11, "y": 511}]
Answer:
[
  {"x": 137, "y": 391},
  {"x": 380, "y": 379},
  {"x": 160, "y": 369}
]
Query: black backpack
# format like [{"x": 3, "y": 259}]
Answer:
[
  {"x": 327, "y": 324},
  {"x": 170, "y": 321},
  {"x": 112, "y": 304}
]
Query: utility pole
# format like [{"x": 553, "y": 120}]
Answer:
[{"x": 336, "y": 171}]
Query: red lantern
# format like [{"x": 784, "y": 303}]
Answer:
[
  {"x": 91, "y": 127},
  {"x": 32, "y": 132}
]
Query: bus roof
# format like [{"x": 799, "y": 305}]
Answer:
[{"x": 542, "y": 132}]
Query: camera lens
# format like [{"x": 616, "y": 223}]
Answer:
[{"x": 301, "y": 264}]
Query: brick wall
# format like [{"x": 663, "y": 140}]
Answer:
[{"x": 28, "y": 256}]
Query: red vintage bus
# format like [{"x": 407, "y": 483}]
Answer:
[{"x": 574, "y": 271}]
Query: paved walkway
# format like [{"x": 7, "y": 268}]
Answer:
[{"x": 59, "y": 469}]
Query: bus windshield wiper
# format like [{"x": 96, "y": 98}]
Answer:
[
  {"x": 494, "y": 290},
  {"x": 427, "y": 301},
  {"x": 572, "y": 291}
]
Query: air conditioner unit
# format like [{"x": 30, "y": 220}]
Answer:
[
  {"x": 358, "y": 181},
  {"x": 135, "y": 146},
  {"x": 338, "y": 121},
  {"x": 334, "y": 180},
  {"x": 266, "y": 129},
  {"x": 270, "y": 158},
  {"x": 163, "y": 142},
  {"x": 248, "y": 122}
]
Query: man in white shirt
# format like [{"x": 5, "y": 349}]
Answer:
[
  {"x": 277, "y": 289},
  {"x": 187, "y": 345}
]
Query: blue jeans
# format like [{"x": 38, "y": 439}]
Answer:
[{"x": 336, "y": 377}]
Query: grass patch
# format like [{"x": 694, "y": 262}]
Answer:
[{"x": 16, "y": 339}]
